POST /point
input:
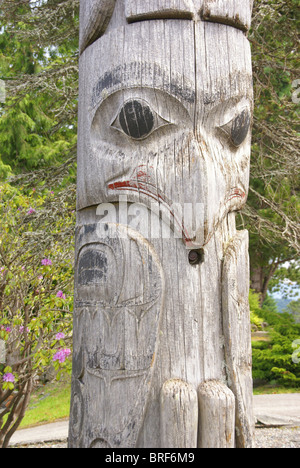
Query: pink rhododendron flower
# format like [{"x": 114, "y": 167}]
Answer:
[
  {"x": 61, "y": 295},
  {"x": 60, "y": 336},
  {"x": 8, "y": 377},
  {"x": 31, "y": 211},
  {"x": 61, "y": 355},
  {"x": 46, "y": 262}
]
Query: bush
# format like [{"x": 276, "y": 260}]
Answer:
[
  {"x": 256, "y": 320},
  {"x": 36, "y": 279},
  {"x": 274, "y": 361}
]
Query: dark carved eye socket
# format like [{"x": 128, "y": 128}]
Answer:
[
  {"x": 136, "y": 119},
  {"x": 240, "y": 128},
  {"x": 92, "y": 267},
  {"x": 237, "y": 129}
]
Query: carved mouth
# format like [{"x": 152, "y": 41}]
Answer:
[
  {"x": 236, "y": 192},
  {"x": 143, "y": 181}
]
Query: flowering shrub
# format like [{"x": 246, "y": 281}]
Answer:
[
  {"x": 61, "y": 355},
  {"x": 36, "y": 278},
  {"x": 9, "y": 379}
]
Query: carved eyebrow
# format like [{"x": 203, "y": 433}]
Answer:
[
  {"x": 235, "y": 13},
  {"x": 230, "y": 102},
  {"x": 139, "y": 10},
  {"x": 239, "y": 17},
  {"x": 118, "y": 79}
]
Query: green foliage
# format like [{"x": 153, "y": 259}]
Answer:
[
  {"x": 273, "y": 361},
  {"x": 255, "y": 318},
  {"x": 26, "y": 141},
  {"x": 270, "y": 305},
  {"x": 36, "y": 295},
  {"x": 272, "y": 214},
  {"x": 293, "y": 308},
  {"x": 254, "y": 301},
  {"x": 286, "y": 280},
  {"x": 38, "y": 119}
]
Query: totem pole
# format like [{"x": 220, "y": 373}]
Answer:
[{"x": 162, "y": 346}]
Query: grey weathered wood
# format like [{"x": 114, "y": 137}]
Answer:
[
  {"x": 236, "y": 13},
  {"x": 95, "y": 15},
  {"x": 237, "y": 332},
  {"x": 165, "y": 110},
  {"x": 179, "y": 415},
  {"x": 94, "y": 18},
  {"x": 216, "y": 415},
  {"x": 233, "y": 12},
  {"x": 2, "y": 352},
  {"x": 137, "y": 10}
]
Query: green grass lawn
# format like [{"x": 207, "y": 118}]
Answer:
[
  {"x": 271, "y": 390},
  {"x": 49, "y": 403}
]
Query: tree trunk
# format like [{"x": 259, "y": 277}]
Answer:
[
  {"x": 260, "y": 279},
  {"x": 161, "y": 320}
]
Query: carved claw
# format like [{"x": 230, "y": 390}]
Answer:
[
  {"x": 179, "y": 415},
  {"x": 216, "y": 410}
]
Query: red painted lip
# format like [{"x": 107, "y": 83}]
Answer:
[
  {"x": 143, "y": 181},
  {"x": 140, "y": 180},
  {"x": 236, "y": 193}
]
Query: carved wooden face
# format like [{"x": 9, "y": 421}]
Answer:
[{"x": 168, "y": 120}]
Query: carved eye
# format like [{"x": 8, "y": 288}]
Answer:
[
  {"x": 137, "y": 120},
  {"x": 92, "y": 267},
  {"x": 238, "y": 128}
]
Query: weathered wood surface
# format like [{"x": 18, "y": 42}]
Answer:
[
  {"x": 165, "y": 111},
  {"x": 96, "y": 15},
  {"x": 236, "y": 13},
  {"x": 2, "y": 352},
  {"x": 237, "y": 332},
  {"x": 216, "y": 416},
  {"x": 137, "y": 10},
  {"x": 179, "y": 415}
]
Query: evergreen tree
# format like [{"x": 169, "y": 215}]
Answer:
[
  {"x": 39, "y": 55},
  {"x": 38, "y": 118},
  {"x": 273, "y": 211}
]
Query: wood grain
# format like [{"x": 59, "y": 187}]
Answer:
[
  {"x": 235, "y": 13},
  {"x": 165, "y": 111},
  {"x": 95, "y": 16},
  {"x": 179, "y": 415},
  {"x": 137, "y": 10},
  {"x": 216, "y": 416},
  {"x": 237, "y": 332}
]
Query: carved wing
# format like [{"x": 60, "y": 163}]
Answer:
[{"x": 95, "y": 16}]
